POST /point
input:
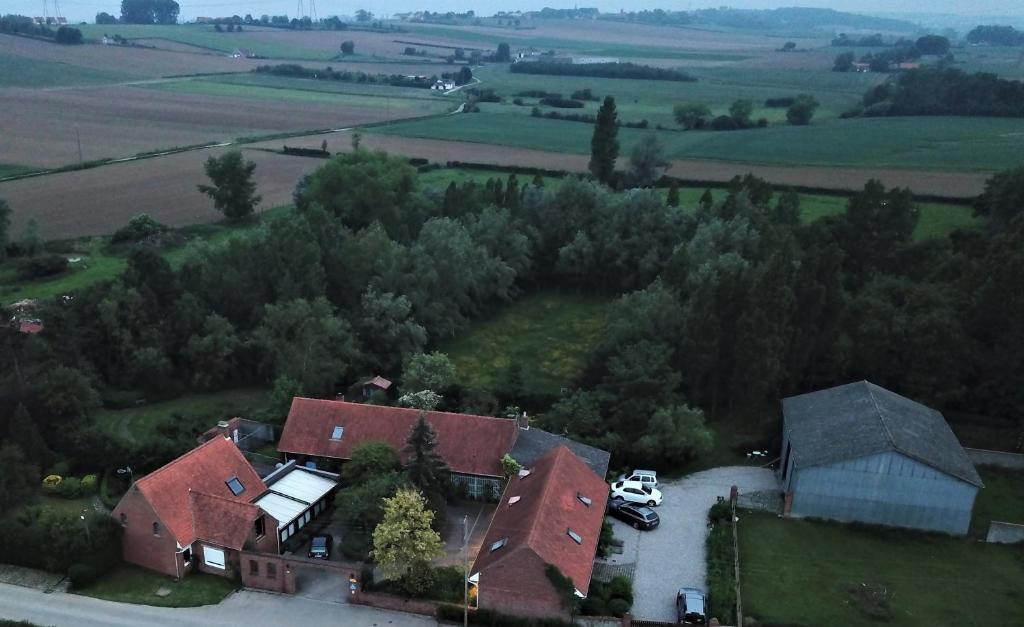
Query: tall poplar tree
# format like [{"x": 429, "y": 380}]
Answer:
[{"x": 604, "y": 145}]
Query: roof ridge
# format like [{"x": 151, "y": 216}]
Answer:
[
  {"x": 881, "y": 416},
  {"x": 174, "y": 461},
  {"x": 220, "y": 498},
  {"x": 401, "y": 409}
]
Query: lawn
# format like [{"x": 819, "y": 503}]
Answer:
[
  {"x": 1001, "y": 499},
  {"x": 9, "y": 169},
  {"x": 204, "y": 36},
  {"x": 973, "y": 144},
  {"x": 96, "y": 264},
  {"x": 548, "y": 334},
  {"x": 131, "y": 584},
  {"x": 16, "y": 71},
  {"x": 135, "y": 424},
  {"x": 331, "y": 87},
  {"x": 801, "y": 572}
]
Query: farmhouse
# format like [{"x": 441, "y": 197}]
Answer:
[
  {"x": 201, "y": 510},
  {"x": 858, "y": 452},
  {"x": 319, "y": 432},
  {"x": 550, "y": 514}
]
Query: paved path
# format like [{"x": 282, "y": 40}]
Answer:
[
  {"x": 674, "y": 554},
  {"x": 245, "y": 608}
]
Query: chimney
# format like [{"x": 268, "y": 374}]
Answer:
[
  {"x": 524, "y": 422},
  {"x": 224, "y": 427}
]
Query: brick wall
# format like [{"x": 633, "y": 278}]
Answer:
[
  {"x": 519, "y": 585},
  {"x": 271, "y": 572},
  {"x": 399, "y": 604},
  {"x": 138, "y": 543},
  {"x": 231, "y": 560}
]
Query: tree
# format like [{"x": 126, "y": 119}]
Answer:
[
  {"x": 741, "y": 110},
  {"x": 31, "y": 242},
  {"x": 647, "y": 161},
  {"x": 502, "y": 55},
  {"x": 425, "y": 468},
  {"x": 935, "y": 45},
  {"x": 1000, "y": 203},
  {"x": 465, "y": 76},
  {"x": 428, "y": 371},
  {"x": 233, "y": 190},
  {"x": 149, "y": 11},
  {"x": 789, "y": 46},
  {"x": 404, "y": 539},
  {"x": 387, "y": 328},
  {"x": 5, "y": 227},
  {"x": 68, "y": 35},
  {"x": 19, "y": 477},
  {"x": 348, "y": 47},
  {"x": 105, "y": 18},
  {"x": 363, "y": 15},
  {"x": 802, "y": 110},
  {"x": 844, "y": 62},
  {"x": 425, "y": 400},
  {"x": 604, "y": 145},
  {"x": 673, "y": 194},
  {"x": 691, "y": 116},
  {"x": 213, "y": 354},
  {"x": 67, "y": 393},
  {"x": 24, "y": 432},
  {"x": 370, "y": 459},
  {"x": 361, "y": 504}
]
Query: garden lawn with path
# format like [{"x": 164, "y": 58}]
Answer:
[
  {"x": 131, "y": 584},
  {"x": 807, "y": 572}
]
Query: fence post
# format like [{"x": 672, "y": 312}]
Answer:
[{"x": 733, "y": 497}]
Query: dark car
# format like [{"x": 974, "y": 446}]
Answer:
[
  {"x": 639, "y": 516},
  {"x": 690, "y": 606},
  {"x": 320, "y": 547}
]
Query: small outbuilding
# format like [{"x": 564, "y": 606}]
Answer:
[{"x": 859, "y": 452}]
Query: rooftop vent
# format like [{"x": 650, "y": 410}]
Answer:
[{"x": 223, "y": 424}]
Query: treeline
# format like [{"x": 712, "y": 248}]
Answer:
[
  {"x": 602, "y": 70},
  {"x": 996, "y": 36},
  {"x": 901, "y": 51},
  {"x": 293, "y": 70},
  {"x": 23, "y": 25},
  {"x": 944, "y": 91},
  {"x": 536, "y": 112},
  {"x": 149, "y": 11}
]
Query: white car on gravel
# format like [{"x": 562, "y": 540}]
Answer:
[{"x": 636, "y": 492}]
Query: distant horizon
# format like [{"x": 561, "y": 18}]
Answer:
[{"x": 86, "y": 10}]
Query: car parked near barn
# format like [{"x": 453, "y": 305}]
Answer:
[
  {"x": 641, "y": 517},
  {"x": 636, "y": 492}
]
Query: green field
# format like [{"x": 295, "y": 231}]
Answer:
[
  {"x": 801, "y": 572},
  {"x": 981, "y": 144},
  {"x": 131, "y": 584},
  {"x": 17, "y": 71},
  {"x": 549, "y": 335},
  {"x": 8, "y": 169},
  {"x": 330, "y": 87},
  {"x": 1001, "y": 499},
  {"x": 135, "y": 424},
  {"x": 204, "y": 36}
]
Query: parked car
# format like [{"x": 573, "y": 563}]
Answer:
[
  {"x": 320, "y": 547},
  {"x": 636, "y": 492},
  {"x": 647, "y": 477},
  {"x": 691, "y": 607},
  {"x": 639, "y": 516}
]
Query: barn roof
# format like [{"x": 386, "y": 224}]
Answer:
[
  {"x": 469, "y": 444},
  {"x": 858, "y": 419},
  {"x": 534, "y": 443}
]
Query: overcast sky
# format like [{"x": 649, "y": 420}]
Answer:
[{"x": 79, "y": 10}]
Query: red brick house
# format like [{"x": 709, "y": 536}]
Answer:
[
  {"x": 472, "y": 446},
  {"x": 550, "y": 514}
]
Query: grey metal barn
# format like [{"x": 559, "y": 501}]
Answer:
[{"x": 859, "y": 452}]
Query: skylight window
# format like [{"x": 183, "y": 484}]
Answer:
[
  {"x": 500, "y": 543},
  {"x": 524, "y": 473},
  {"x": 584, "y": 499},
  {"x": 337, "y": 433},
  {"x": 577, "y": 538},
  {"x": 235, "y": 486},
  {"x": 512, "y": 501}
]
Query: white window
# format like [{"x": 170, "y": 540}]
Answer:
[
  {"x": 284, "y": 534},
  {"x": 213, "y": 557},
  {"x": 337, "y": 433},
  {"x": 498, "y": 544},
  {"x": 575, "y": 536},
  {"x": 307, "y": 516}
]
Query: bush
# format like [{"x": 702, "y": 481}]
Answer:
[
  {"x": 594, "y": 606},
  {"x": 518, "y": 102},
  {"x": 89, "y": 484},
  {"x": 41, "y": 266},
  {"x": 138, "y": 228},
  {"x": 538, "y": 93},
  {"x": 724, "y": 123},
  {"x": 68, "y": 35},
  {"x": 51, "y": 483},
  {"x": 70, "y": 488},
  {"x": 779, "y": 103},
  {"x": 621, "y": 588},
  {"x": 720, "y": 511},
  {"x": 355, "y": 545},
  {"x": 618, "y": 607},
  {"x": 584, "y": 94},
  {"x": 81, "y": 576},
  {"x": 562, "y": 103},
  {"x": 602, "y": 70},
  {"x": 721, "y": 573}
]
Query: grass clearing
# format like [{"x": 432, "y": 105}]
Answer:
[
  {"x": 131, "y": 584},
  {"x": 9, "y": 169},
  {"x": 135, "y": 424},
  {"x": 96, "y": 265},
  {"x": 330, "y": 87},
  {"x": 801, "y": 572},
  {"x": 205, "y": 36},
  {"x": 1001, "y": 499},
  {"x": 17, "y": 71},
  {"x": 548, "y": 334}
]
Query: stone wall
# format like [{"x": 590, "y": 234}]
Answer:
[
  {"x": 1004, "y": 533},
  {"x": 982, "y": 457}
]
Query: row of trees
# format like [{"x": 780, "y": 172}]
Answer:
[
  {"x": 23, "y": 25},
  {"x": 149, "y": 11},
  {"x": 945, "y": 91},
  {"x": 696, "y": 116},
  {"x": 601, "y": 70}
]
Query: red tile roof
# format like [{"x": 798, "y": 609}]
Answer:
[
  {"x": 222, "y": 521},
  {"x": 204, "y": 470},
  {"x": 536, "y": 512},
  {"x": 469, "y": 444},
  {"x": 30, "y": 326}
]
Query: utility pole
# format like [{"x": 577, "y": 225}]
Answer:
[{"x": 465, "y": 574}]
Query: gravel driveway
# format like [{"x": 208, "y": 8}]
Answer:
[{"x": 673, "y": 555}]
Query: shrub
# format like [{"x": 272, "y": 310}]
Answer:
[
  {"x": 138, "y": 228},
  {"x": 779, "y": 103},
  {"x": 89, "y": 484},
  {"x": 82, "y": 575},
  {"x": 618, "y": 607},
  {"x": 621, "y": 588},
  {"x": 355, "y": 545},
  {"x": 721, "y": 573},
  {"x": 594, "y": 606},
  {"x": 584, "y": 94},
  {"x": 51, "y": 483},
  {"x": 724, "y": 123},
  {"x": 41, "y": 266},
  {"x": 602, "y": 70},
  {"x": 70, "y": 488},
  {"x": 518, "y": 102},
  {"x": 562, "y": 103},
  {"x": 721, "y": 510},
  {"x": 538, "y": 93}
]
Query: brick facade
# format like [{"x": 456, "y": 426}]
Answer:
[
  {"x": 139, "y": 545},
  {"x": 520, "y": 587},
  {"x": 392, "y": 602},
  {"x": 270, "y": 572}
]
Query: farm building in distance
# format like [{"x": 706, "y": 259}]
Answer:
[{"x": 858, "y": 452}]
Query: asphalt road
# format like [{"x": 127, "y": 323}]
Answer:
[
  {"x": 246, "y": 608},
  {"x": 674, "y": 555}
]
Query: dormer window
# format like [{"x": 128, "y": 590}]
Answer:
[
  {"x": 512, "y": 501},
  {"x": 235, "y": 486},
  {"x": 577, "y": 538},
  {"x": 337, "y": 433},
  {"x": 524, "y": 473},
  {"x": 500, "y": 543},
  {"x": 584, "y": 499}
]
